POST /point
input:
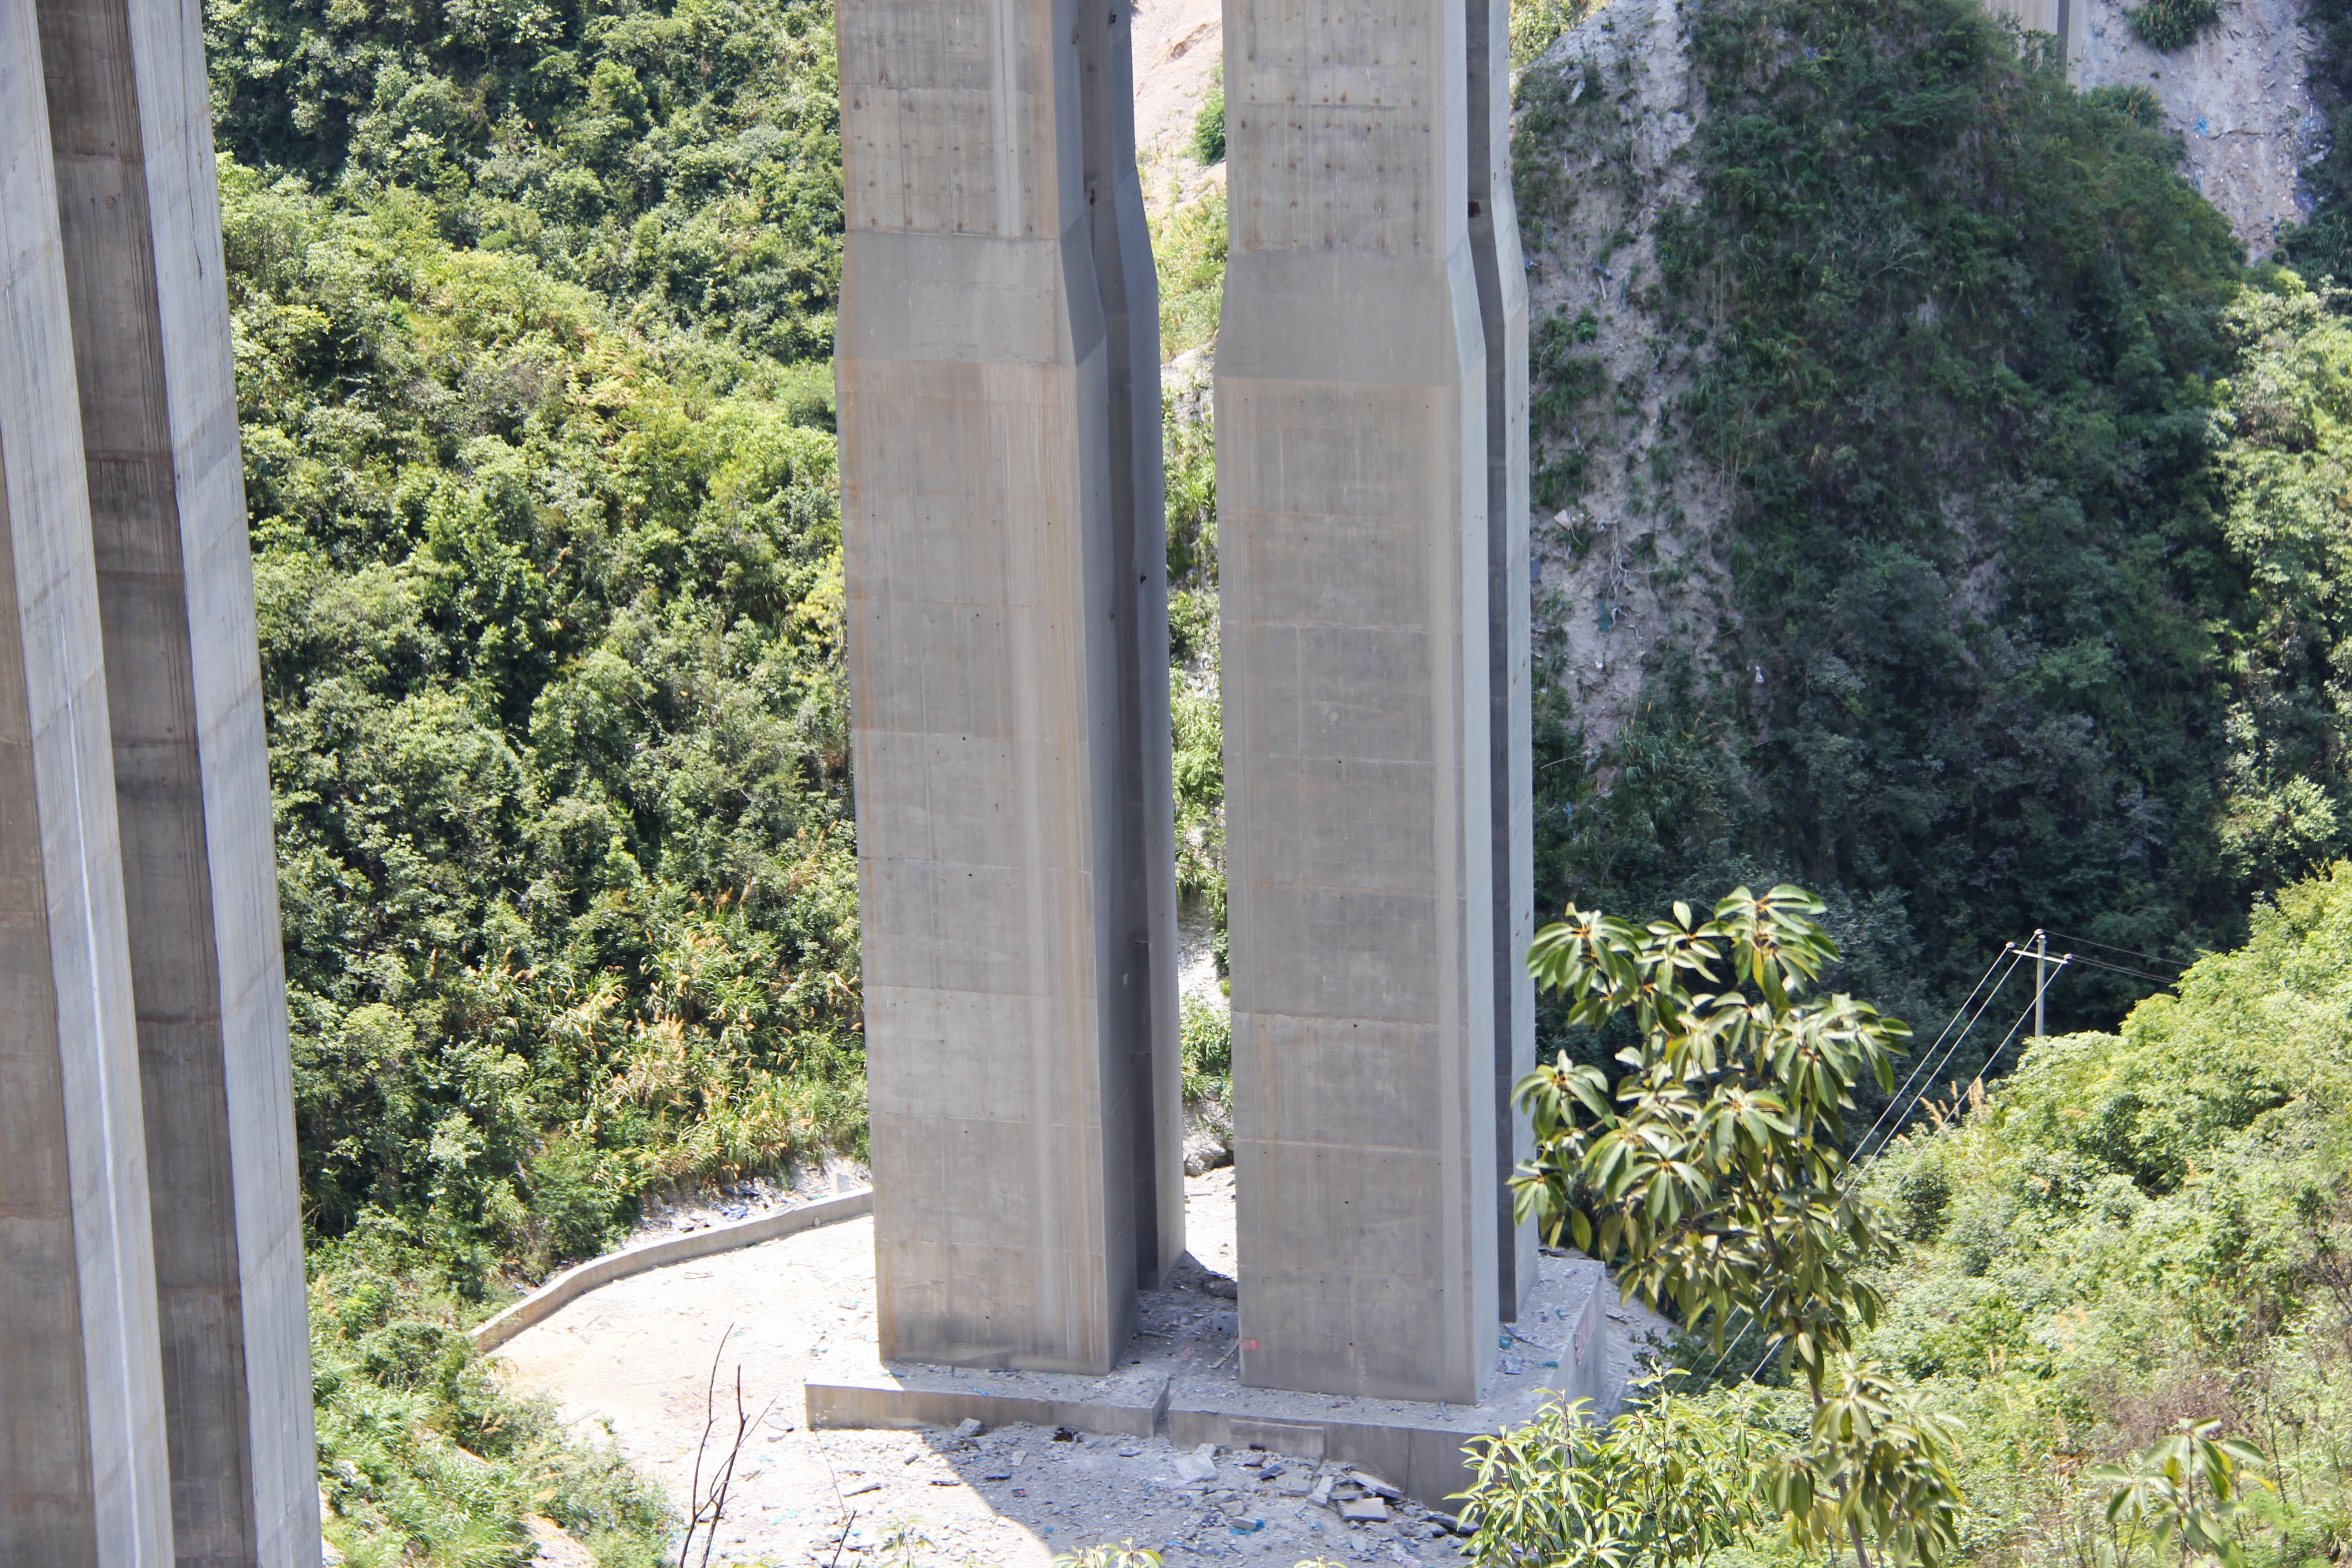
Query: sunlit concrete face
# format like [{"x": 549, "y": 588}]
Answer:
[
  {"x": 194, "y": 1147},
  {"x": 83, "y": 1477},
  {"x": 1353, "y": 484},
  {"x": 1006, "y": 575}
]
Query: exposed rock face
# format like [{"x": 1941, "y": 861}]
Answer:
[
  {"x": 1622, "y": 567},
  {"x": 1629, "y": 565},
  {"x": 2240, "y": 98}
]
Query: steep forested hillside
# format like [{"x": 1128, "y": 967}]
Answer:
[
  {"x": 1984, "y": 633},
  {"x": 681, "y": 160},
  {"x": 2024, "y": 609},
  {"x": 2147, "y": 1227}
]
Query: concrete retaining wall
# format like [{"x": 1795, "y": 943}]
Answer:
[{"x": 574, "y": 1283}]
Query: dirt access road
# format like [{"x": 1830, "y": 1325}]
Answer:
[{"x": 634, "y": 1360}]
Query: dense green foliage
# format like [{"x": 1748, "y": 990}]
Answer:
[
  {"x": 550, "y": 639},
  {"x": 1209, "y": 127},
  {"x": 549, "y": 619},
  {"x": 423, "y": 1456},
  {"x": 1667, "y": 1484},
  {"x": 1956, "y": 337},
  {"x": 681, "y": 158},
  {"x": 2138, "y": 1246},
  {"x": 531, "y": 304},
  {"x": 2147, "y": 1227},
  {"x": 1189, "y": 243}
]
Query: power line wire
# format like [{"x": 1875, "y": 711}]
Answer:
[
  {"x": 2136, "y": 974},
  {"x": 2015, "y": 954},
  {"x": 1861, "y": 1160},
  {"x": 2111, "y": 947}
]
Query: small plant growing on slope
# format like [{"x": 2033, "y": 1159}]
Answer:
[
  {"x": 2167, "y": 25},
  {"x": 1126, "y": 1555},
  {"x": 1209, "y": 125},
  {"x": 2185, "y": 1493}
]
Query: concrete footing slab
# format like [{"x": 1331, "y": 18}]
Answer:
[{"x": 1179, "y": 1381}]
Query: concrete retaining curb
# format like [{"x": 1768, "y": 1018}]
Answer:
[{"x": 574, "y": 1283}]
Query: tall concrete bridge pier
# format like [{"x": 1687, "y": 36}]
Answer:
[
  {"x": 997, "y": 363},
  {"x": 154, "y": 1355},
  {"x": 1002, "y": 533}
]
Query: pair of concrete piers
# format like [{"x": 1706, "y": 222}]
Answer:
[
  {"x": 154, "y": 1351},
  {"x": 997, "y": 366}
]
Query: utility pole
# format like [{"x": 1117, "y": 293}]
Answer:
[{"x": 2040, "y": 970}]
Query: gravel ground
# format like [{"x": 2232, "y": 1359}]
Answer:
[{"x": 634, "y": 1359}]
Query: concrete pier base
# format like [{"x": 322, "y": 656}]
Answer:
[
  {"x": 84, "y": 1481},
  {"x": 1005, "y": 573},
  {"x": 1178, "y": 1382},
  {"x": 1352, "y": 478}
]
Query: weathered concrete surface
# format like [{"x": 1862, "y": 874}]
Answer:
[
  {"x": 1502, "y": 276},
  {"x": 129, "y": 126},
  {"x": 1008, "y": 635},
  {"x": 1128, "y": 286},
  {"x": 1352, "y": 490},
  {"x": 83, "y": 1477}
]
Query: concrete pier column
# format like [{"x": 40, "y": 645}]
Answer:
[
  {"x": 129, "y": 125},
  {"x": 1129, "y": 286},
  {"x": 1503, "y": 313},
  {"x": 1007, "y": 648},
  {"x": 1352, "y": 481},
  {"x": 83, "y": 1477}
]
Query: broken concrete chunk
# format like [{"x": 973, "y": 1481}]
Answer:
[
  {"x": 1195, "y": 1467},
  {"x": 1372, "y": 1483},
  {"x": 1364, "y": 1511},
  {"x": 967, "y": 1427},
  {"x": 1321, "y": 1494},
  {"x": 1296, "y": 1483}
]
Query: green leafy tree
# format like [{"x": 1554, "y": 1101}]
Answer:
[
  {"x": 1713, "y": 1175},
  {"x": 1878, "y": 1463},
  {"x": 1712, "y": 1172}
]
